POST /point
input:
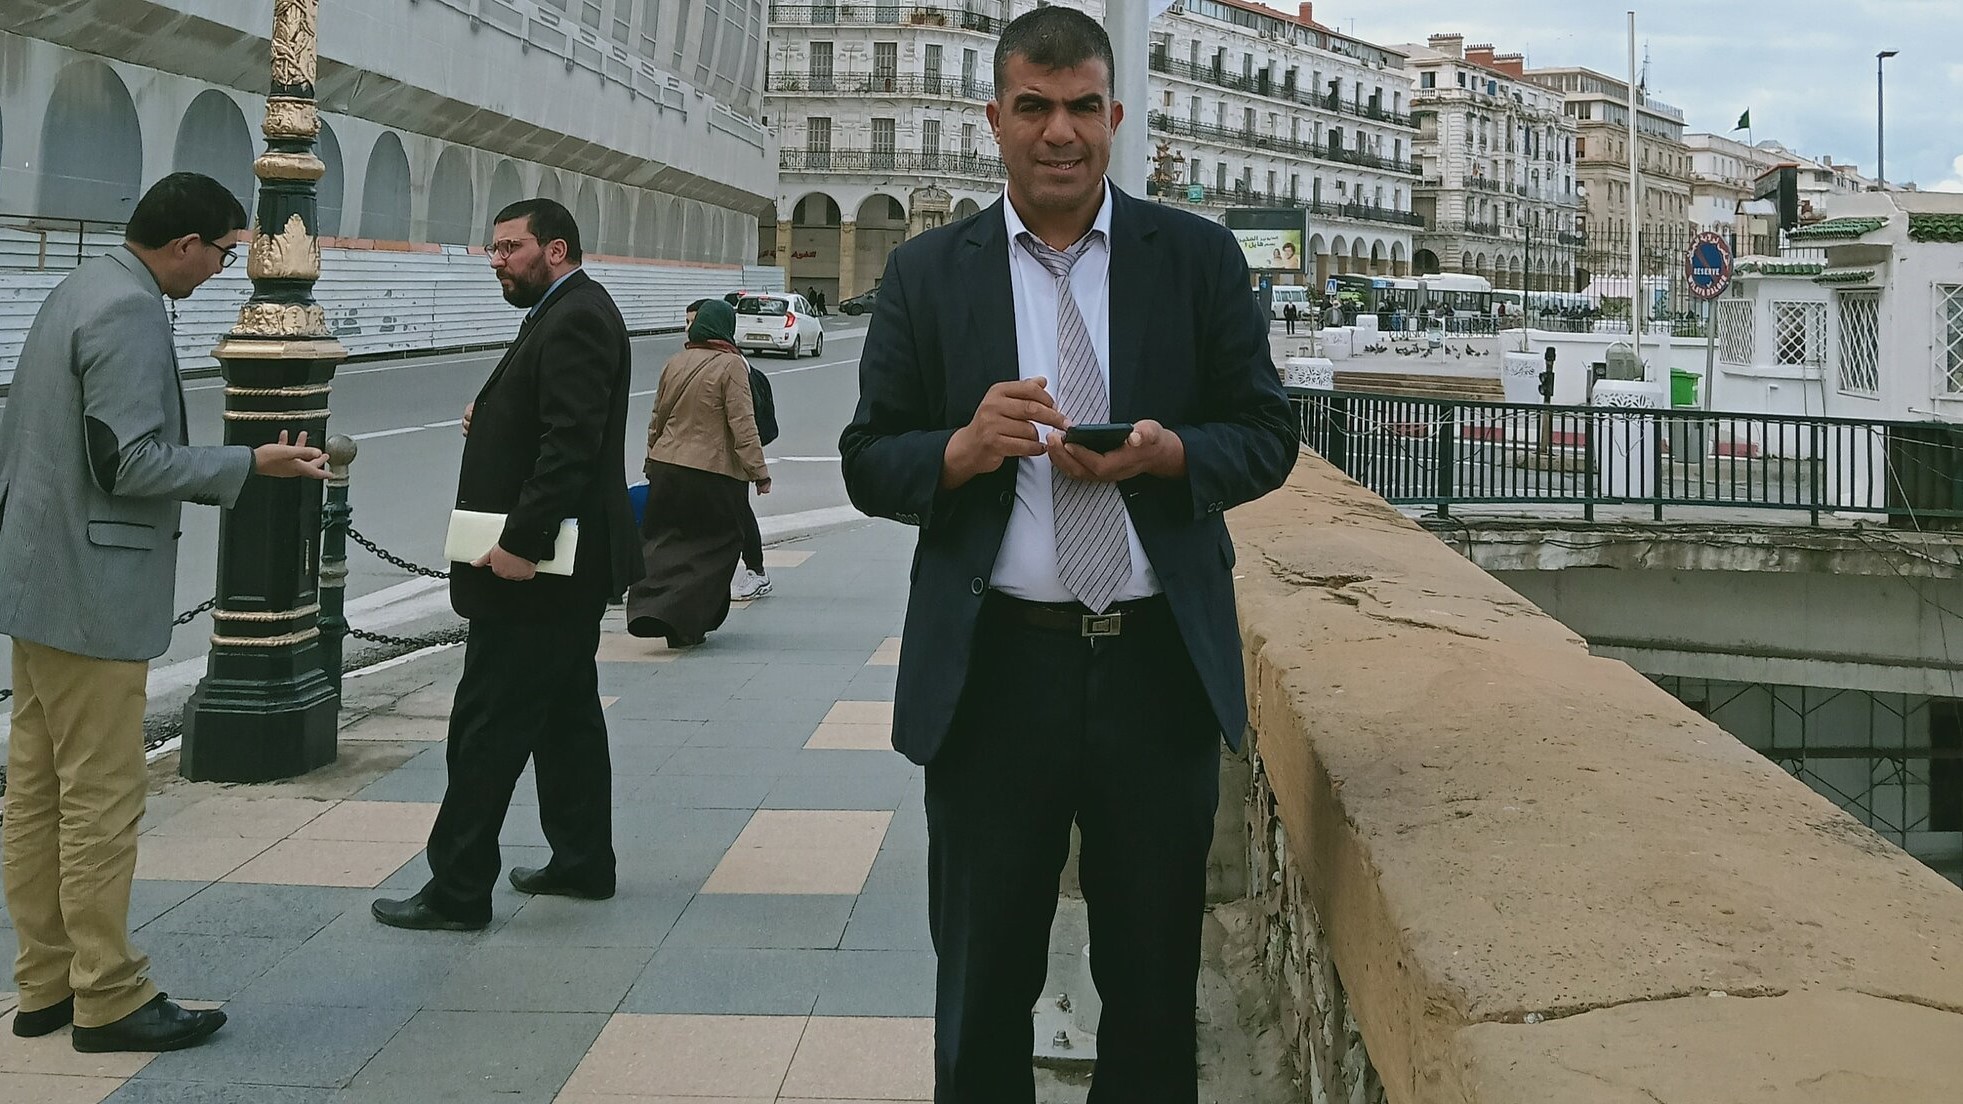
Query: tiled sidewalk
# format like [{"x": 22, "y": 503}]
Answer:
[{"x": 768, "y": 942}]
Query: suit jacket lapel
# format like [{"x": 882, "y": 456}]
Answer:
[
  {"x": 1133, "y": 261},
  {"x": 532, "y": 318},
  {"x": 981, "y": 279}
]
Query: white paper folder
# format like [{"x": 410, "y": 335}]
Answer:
[{"x": 472, "y": 534}]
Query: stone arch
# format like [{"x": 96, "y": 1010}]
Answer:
[
  {"x": 91, "y": 147},
  {"x": 1424, "y": 263},
  {"x": 452, "y": 202},
  {"x": 882, "y": 226},
  {"x": 647, "y": 226},
  {"x": 212, "y": 139},
  {"x": 586, "y": 212},
  {"x": 385, "y": 191},
  {"x": 1339, "y": 252},
  {"x": 616, "y": 236},
  {"x": 506, "y": 189},
  {"x": 815, "y": 242},
  {"x": 1379, "y": 259},
  {"x": 549, "y": 187},
  {"x": 965, "y": 207},
  {"x": 333, "y": 186}
]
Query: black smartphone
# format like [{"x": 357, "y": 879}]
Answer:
[{"x": 1101, "y": 437}]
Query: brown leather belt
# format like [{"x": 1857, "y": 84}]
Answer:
[{"x": 1076, "y": 619}]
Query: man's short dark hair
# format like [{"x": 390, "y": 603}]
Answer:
[
  {"x": 548, "y": 220},
  {"x": 1055, "y": 38},
  {"x": 184, "y": 203}
]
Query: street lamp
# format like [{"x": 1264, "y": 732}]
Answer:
[{"x": 1880, "y": 172}]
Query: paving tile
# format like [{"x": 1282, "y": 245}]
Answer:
[
  {"x": 302, "y": 1045},
  {"x": 241, "y": 817},
  {"x": 607, "y": 702},
  {"x": 479, "y": 1056},
  {"x": 54, "y": 1056},
  {"x": 837, "y": 792},
  {"x": 273, "y": 911},
  {"x": 863, "y": 1058},
  {"x": 151, "y": 899},
  {"x": 622, "y": 648},
  {"x": 878, "y": 983},
  {"x": 144, "y": 1091},
  {"x": 747, "y": 762},
  {"x": 373, "y": 822},
  {"x": 801, "y": 851},
  {"x": 343, "y": 973},
  {"x": 678, "y": 828},
  {"x": 326, "y": 863},
  {"x": 43, "y": 1088},
  {"x": 192, "y": 859},
  {"x": 860, "y": 712},
  {"x": 541, "y": 979},
  {"x": 406, "y": 784},
  {"x": 613, "y": 1098},
  {"x": 785, "y": 557},
  {"x": 396, "y": 728},
  {"x": 431, "y": 701},
  {"x": 832, "y": 736},
  {"x": 211, "y": 967},
  {"x": 639, "y": 916},
  {"x": 887, "y": 654},
  {"x": 723, "y": 981},
  {"x": 754, "y": 920},
  {"x": 756, "y": 734},
  {"x": 739, "y": 1056},
  {"x": 888, "y": 922},
  {"x": 8, "y": 1002},
  {"x": 701, "y": 791}
]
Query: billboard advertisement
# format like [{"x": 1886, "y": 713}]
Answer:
[{"x": 1271, "y": 250}]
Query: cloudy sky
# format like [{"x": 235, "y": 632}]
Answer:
[{"x": 1805, "y": 68}]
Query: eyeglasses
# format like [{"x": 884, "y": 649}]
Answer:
[
  {"x": 507, "y": 247},
  {"x": 227, "y": 255}
]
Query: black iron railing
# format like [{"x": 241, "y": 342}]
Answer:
[
  {"x": 892, "y": 15},
  {"x": 1449, "y": 453},
  {"x": 35, "y": 243},
  {"x": 1265, "y": 84},
  {"x": 880, "y": 84},
  {"x": 1241, "y": 138},
  {"x": 894, "y": 161}
]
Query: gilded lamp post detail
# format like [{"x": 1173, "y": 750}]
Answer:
[{"x": 267, "y": 706}]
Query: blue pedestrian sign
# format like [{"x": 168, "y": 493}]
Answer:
[{"x": 1708, "y": 266}]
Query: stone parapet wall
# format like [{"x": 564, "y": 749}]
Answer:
[{"x": 1524, "y": 873}]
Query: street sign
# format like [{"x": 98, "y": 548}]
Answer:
[
  {"x": 1196, "y": 193},
  {"x": 1708, "y": 266},
  {"x": 1330, "y": 287}
]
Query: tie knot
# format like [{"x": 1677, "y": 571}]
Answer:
[{"x": 1059, "y": 262}]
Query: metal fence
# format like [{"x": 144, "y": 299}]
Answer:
[
  {"x": 1449, "y": 453},
  {"x": 33, "y": 243}
]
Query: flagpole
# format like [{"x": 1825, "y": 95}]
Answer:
[{"x": 1635, "y": 210}]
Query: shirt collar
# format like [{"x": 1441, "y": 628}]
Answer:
[
  {"x": 548, "y": 294},
  {"x": 1100, "y": 225}
]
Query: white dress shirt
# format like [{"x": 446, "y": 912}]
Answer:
[{"x": 1026, "y": 566}]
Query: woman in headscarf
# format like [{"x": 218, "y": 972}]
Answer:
[{"x": 702, "y": 450}]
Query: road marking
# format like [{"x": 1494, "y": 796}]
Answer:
[
  {"x": 812, "y": 367},
  {"x": 801, "y": 460},
  {"x": 777, "y": 526}
]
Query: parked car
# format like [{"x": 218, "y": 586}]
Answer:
[
  {"x": 779, "y": 323},
  {"x": 859, "y": 304}
]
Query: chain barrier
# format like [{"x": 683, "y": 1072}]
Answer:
[
  {"x": 184, "y": 618},
  {"x": 392, "y": 559}
]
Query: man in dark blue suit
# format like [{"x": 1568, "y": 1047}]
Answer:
[{"x": 1071, "y": 651}]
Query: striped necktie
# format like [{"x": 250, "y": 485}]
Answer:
[{"x": 1093, "y": 556}]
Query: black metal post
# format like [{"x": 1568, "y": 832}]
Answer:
[
  {"x": 268, "y": 705},
  {"x": 336, "y": 517},
  {"x": 1446, "y": 486}
]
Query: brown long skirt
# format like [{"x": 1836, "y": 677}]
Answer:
[{"x": 691, "y": 538}]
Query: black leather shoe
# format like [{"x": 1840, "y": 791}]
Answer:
[
  {"x": 162, "y": 1024},
  {"x": 45, "y": 1021},
  {"x": 414, "y": 914},
  {"x": 543, "y": 880}
]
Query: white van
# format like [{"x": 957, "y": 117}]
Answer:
[{"x": 1285, "y": 294}]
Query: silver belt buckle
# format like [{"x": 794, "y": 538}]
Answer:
[{"x": 1103, "y": 624}]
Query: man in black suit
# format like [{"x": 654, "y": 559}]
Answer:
[
  {"x": 1071, "y": 646},
  {"x": 543, "y": 442}
]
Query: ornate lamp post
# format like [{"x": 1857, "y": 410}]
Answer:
[{"x": 267, "y": 707}]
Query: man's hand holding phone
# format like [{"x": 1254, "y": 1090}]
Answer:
[
  {"x": 1150, "y": 449},
  {"x": 1004, "y": 427}
]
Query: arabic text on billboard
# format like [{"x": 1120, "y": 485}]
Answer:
[{"x": 1271, "y": 250}]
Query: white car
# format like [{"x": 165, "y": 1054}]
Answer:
[{"x": 778, "y": 323}]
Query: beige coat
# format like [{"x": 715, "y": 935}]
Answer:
[{"x": 704, "y": 417}]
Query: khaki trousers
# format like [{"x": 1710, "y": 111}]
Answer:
[{"x": 75, "y": 791}]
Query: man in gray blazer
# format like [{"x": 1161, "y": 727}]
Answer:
[{"x": 94, "y": 464}]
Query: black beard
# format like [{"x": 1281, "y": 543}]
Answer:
[{"x": 522, "y": 294}]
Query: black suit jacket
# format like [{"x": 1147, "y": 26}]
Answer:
[
  {"x": 546, "y": 443},
  {"x": 1188, "y": 348}
]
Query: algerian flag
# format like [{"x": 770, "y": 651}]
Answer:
[{"x": 1744, "y": 121}]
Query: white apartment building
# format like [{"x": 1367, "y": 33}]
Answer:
[
  {"x": 879, "y": 112},
  {"x": 1497, "y": 154},
  {"x": 1724, "y": 178}
]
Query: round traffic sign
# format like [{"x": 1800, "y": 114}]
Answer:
[{"x": 1708, "y": 266}]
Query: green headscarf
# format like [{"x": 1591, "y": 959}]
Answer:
[{"x": 715, "y": 320}]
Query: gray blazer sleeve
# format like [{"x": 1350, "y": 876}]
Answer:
[{"x": 122, "y": 353}]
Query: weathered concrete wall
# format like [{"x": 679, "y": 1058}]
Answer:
[{"x": 1536, "y": 876}]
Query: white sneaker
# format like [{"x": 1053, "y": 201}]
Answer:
[{"x": 748, "y": 585}]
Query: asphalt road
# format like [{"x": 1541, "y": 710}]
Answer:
[{"x": 404, "y": 416}]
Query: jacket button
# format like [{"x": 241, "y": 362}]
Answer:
[
  {"x": 1006, "y": 497},
  {"x": 977, "y": 586}
]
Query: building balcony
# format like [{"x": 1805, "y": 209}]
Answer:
[
  {"x": 1483, "y": 184},
  {"x": 1262, "y": 84},
  {"x": 1237, "y": 196},
  {"x": 925, "y": 86},
  {"x": 1241, "y": 139},
  {"x": 860, "y": 162},
  {"x": 883, "y": 15}
]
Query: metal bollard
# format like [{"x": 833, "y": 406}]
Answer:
[{"x": 336, "y": 516}]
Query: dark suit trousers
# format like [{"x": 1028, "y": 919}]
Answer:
[
  {"x": 530, "y": 690},
  {"x": 1116, "y": 735}
]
